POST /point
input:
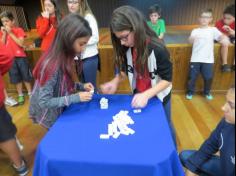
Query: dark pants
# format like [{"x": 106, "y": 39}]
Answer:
[
  {"x": 211, "y": 168},
  {"x": 167, "y": 108},
  {"x": 206, "y": 70},
  {"x": 90, "y": 67},
  {"x": 20, "y": 71},
  {"x": 7, "y": 128}
]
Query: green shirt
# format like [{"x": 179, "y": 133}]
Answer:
[{"x": 159, "y": 28}]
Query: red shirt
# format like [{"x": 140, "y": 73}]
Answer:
[
  {"x": 12, "y": 46},
  {"x": 143, "y": 81},
  {"x": 5, "y": 64},
  {"x": 220, "y": 24},
  {"x": 46, "y": 29}
]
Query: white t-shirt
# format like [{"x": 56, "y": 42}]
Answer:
[
  {"x": 203, "y": 45},
  {"x": 92, "y": 46}
]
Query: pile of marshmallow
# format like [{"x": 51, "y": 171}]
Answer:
[
  {"x": 104, "y": 103},
  {"x": 119, "y": 126}
]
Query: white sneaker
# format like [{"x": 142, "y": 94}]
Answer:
[
  {"x": 21, "y": 147},
  {"x": 10, "y": 101}
]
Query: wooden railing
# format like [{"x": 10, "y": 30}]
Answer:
[{"x": 180, "y": 56}]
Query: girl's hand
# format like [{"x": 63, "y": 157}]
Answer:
[
  {"x": 8, "y": 29},
  {"x": 189, "y": 173},
  {"x": 45, "y": 14},
  {"x": 109, "y": 88},
  {"x": 140, "y": 100},
  {"x": 227, "y": 28},
  {"x": 88, "y": 87},
  {"x": 3, "y": 29},
  {"x": 85, "y": 96}
]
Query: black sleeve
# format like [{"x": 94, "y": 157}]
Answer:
[
  {"x": 207, "y": 150},
  {"x": 164, "y": 65}
]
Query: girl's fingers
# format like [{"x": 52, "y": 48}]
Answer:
[{"x": 135, "y": 102}]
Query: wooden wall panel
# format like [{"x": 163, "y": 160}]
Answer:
[{"x": 175, "y": 12}]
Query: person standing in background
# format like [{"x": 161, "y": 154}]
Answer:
[
  {"x": 90, "y": 55},
  {"x": 12, "y": 37},
  {"x": 227, "y": 26},
  {"x": 155, "y": 23},
  {"x": 47, "y": 23}
]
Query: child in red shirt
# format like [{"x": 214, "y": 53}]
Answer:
[
  {"x": 12, "y": 38},
  {"x": 227, "y": 26},
  {"x": 8, "y": 130},
  {"x": 47, "y": 23}
]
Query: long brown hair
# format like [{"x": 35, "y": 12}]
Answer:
[
  {"x": 129, "y": 18},
  {"x": 61, "y": 53},
  {"x": 84, "y": 8},
  {"x": 58, "y": 13}
]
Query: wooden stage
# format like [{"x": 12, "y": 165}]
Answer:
[{"x": 180, "y": 51}]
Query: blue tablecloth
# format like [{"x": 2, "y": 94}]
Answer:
[{"x": 73, "y": 146}]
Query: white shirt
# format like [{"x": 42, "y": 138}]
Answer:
[
  {"x": 92, "y": 46},
  {"x": 203, "y": 45}
]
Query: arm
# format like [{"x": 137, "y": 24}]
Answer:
[
  {"x": 42, "y": 25},
  {"x": 4, "y": 35},
  {"x": 19, "y": 40},
  {"x": 93, "y": 25},
  {"x": 112, "y": 86},
  {"x": 163, "y": 29},
  {"x": 207, "y": 150},
  {"x": 164, "y": 70},
  {"x": 162, "y": 36},
  {"x": 5, "y": 61},
  {"x": 48, "y": 100},
  {"x": 192, "y": 37},
  {"x": 221, "y": 38},
  {"x": 230, "y": 31}
]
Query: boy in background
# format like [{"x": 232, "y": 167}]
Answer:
[
  {"x": 155, "y": 23},
  {"x": 227, "y": 26},
  {"x": 12, "y": 38},
  {"x": 202, "y": 60}
]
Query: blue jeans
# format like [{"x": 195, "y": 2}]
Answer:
[
  {"x": 90, "y": 67},
  {"x": 206, "y": 70},
  {"x": 211, "y": 168},
  {"x": 167, "y": 108}
]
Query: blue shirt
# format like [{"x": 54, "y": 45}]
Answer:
[{"x": 222, "y": 139}]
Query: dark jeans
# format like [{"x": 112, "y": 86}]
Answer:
[
  {"x": 206, "y": 70},
  {"x": 90, "y": 67},
  {"x": 210, "y": 168},
  {"x": 167, "y": 108}
]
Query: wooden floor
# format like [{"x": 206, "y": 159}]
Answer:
[{"x": 194, "y": 120}]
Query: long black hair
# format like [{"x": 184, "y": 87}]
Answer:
[{"x": 58, "y": 13}]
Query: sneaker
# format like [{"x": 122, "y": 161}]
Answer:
[
  {"x": 20, "y": 146},
  {"x": 233, "y": 68},
  {"x": 209, "y": 97},
  {"x": 225, "y": 68},
  {"x": 21, "y": 100},
  {"x": 189, "y": 96},
  {"x": 23, "y": 170},
  {"x": 10, "y": 101}
]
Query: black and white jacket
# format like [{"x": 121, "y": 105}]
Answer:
[{"x": 159, "y": 66}]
